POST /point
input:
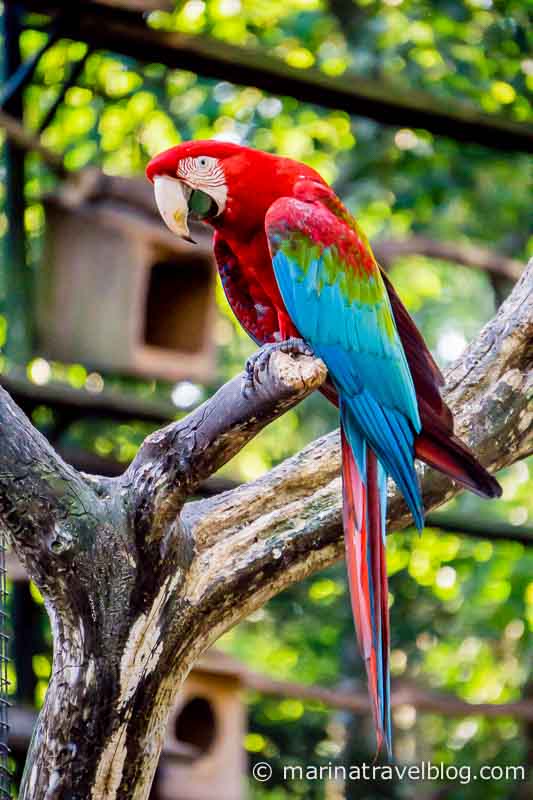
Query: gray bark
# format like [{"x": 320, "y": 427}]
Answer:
[{"x": 137, "y": 583}]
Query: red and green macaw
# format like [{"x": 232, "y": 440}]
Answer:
[{"x": 295, "y": 266}]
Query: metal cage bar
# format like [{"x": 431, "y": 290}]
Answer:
[{"x": 5, "y": 773}]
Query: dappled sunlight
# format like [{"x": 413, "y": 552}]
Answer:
[{"x": 461, "y": 605}]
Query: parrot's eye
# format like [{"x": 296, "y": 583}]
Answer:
[
  {"x": 201, "y": 206},
  {"x": 203, "y": 165}
]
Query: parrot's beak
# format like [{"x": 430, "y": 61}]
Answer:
[{"x": 172, "y": 198}]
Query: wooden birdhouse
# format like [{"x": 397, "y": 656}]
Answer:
[
  {"x": 203, "y": 756},
  {"x": 118, "y": 292}
]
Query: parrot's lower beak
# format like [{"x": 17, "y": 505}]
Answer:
[{"x": 172, "y": 198}]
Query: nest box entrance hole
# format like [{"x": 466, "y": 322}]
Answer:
[
  {"x": 196, "y": 725},
  {"x": 177, "y": 304}
]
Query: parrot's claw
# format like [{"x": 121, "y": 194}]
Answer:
[{"x": 258, "y": 362}]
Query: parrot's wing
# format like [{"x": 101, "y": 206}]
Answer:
[
  {"x": 427, "y": 377},
  {"x": 436, "y": 444},
  {"x": 335, "y": 295}
]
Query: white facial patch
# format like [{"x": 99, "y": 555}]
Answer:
[{"x": 206, "y": 174}]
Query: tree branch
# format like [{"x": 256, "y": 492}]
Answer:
[
  {"x": 137, "y": 587},
  {"x": 128, "y": 34},
  {"x": 26, "y": 140},
  {"x": 43, "y": 501},
  {"x": 481, "y": 527},
  {"x": 171, "y": 463},
  {"x": 402, "y": 694},
  {"x": 471, "y": 255}
]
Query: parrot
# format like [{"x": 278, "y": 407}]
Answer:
[{"x": 300, "y": 276}]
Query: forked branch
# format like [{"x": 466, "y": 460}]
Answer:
[{"x": 138, "y": 583}]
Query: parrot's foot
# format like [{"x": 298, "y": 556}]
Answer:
[{"x": 258, "y": 362}]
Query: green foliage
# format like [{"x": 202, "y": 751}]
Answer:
[{"x": 462, "y": 609}]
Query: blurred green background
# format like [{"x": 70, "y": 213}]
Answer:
[{"x": 462, "y": 608}]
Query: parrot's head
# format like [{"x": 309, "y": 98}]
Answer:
[{"x": 220, "y": 183}]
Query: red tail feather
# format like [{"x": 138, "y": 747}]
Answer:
[{"x": 367, "y": 577}]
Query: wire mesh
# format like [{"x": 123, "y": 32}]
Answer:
[{"x": 5, "y": 775}]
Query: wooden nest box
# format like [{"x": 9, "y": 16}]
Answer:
[
  {"x": 203, "y": 756},
  {"x": 117, "y": 291}
]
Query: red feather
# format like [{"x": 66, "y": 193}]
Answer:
[{"x": 367, "y": 579}]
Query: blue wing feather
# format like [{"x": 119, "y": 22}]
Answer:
[{"x": 369, "y": 371}]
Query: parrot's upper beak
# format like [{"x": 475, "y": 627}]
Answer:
[{"x": 172, "y": 198}]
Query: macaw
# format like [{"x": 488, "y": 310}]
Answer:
[{"x": 298, "y": 272}]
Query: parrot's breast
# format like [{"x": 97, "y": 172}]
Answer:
[{"x": 250, "y": 286}]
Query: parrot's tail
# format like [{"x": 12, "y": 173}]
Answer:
[
  {"x": 437, "y": 445},
  {"x": 364, "y": 507}
]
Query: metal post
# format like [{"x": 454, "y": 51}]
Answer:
[
  {"x": 17, "y": 276},
  {"x": 5, "y": 775},
  {"x": 17, "y": 310}
]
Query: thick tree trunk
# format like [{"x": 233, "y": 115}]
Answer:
[
  {"x": 137, "y": 584},
  {"x": 113, "y": 562}
]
